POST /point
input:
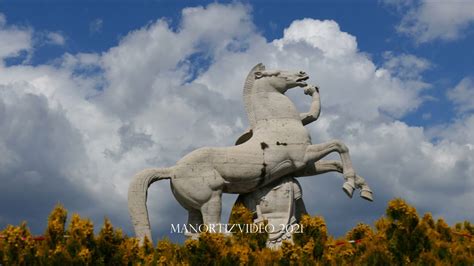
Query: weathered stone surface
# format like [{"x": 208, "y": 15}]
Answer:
[
  {"x": 280, "y": 205},
  {"x": 276, "y": 146}
]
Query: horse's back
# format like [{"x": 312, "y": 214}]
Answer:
[{"x": 234, "y": 163}]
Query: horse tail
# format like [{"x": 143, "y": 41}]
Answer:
[{"x": 137, "y": 196}]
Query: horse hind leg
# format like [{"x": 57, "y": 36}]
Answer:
[
  {"x": 194, "y": 221},
  {"x": 325, "y": 166},
  {"x": 365, "y": 191},
  {"x": 359, "y": 182},
  {"x": 317, "y": 151},
  {"x": 330, "y": 166},
  {"x": 211, "y": 212}
]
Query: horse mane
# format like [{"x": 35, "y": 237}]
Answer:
[{"x": 248, "y": 86}]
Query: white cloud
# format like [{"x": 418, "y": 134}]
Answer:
[
  {"x": 55, "y": 38},
  {"x": 339, "y": 70},
  {"x": 128, "y": 66},
  {"x": 142, "y": 103},
  {"x": 14, "y": 40},
  {"x": 323, "y": 35},
  {"x": 42, "y": 158},
  {"x": 460, "y": 131},
  {"x": 406, "y": 66},
  {"x": 427, "y": 20},
  {"x": 463, "y": 94},
  {"x": 96, "y": 25}
]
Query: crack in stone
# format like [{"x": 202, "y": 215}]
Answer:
[
  {"x": 281, "y": 143},
  {"x": 263, "y": 172}
]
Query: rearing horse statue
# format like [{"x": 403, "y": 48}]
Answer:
[{"x": 278, "y": 145}]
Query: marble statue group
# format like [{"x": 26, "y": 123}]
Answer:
[{"x": 261, "y": 167}]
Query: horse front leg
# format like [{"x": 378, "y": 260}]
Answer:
[
  {"x": 325, "y": 166},
  {"x": 316, "y": 152}
]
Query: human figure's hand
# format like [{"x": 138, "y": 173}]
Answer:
[{"x": 310, "y": 90}]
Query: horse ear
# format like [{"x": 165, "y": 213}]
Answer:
[{"x": 258, "y": 70}]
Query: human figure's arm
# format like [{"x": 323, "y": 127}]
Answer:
[{"x": 315, "y": 109}]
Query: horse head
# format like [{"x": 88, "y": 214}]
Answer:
[
  {"x": 281, "y": 80},
  {"x": 259, "y": 79}
]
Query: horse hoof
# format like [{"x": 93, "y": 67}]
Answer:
[
  {"x": 366, "y": 194},
  {"x": 348, "y": 188}
]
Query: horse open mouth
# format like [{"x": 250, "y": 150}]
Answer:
[{"x": 301, "y": 81}]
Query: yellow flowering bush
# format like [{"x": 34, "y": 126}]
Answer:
[
  {"x": 17, "y": 245},
  {"x": 241, "y": 215},
  {"x": 399, "y": 238}
]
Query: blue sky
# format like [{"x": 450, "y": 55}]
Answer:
[{"x": 91, "y": 92}]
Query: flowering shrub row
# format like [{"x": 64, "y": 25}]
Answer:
[{"x": 401, "y": 237}]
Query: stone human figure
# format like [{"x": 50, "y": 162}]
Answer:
[{"x": 280, "y": 205}]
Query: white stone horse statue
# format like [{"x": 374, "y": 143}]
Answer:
[{"x": 279, "y": 145}]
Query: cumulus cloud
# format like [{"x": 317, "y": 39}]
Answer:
[
  {"x": 55, "y": 38},
  {"x": 161, "y": 93},
  {"x": 462, "y": 95},
  {"x": 14, "y": 39},
  {"x": 323, "y": 35},
  {"x": 427, "y": 20},
  {"x": 460, "y": 132},
  {"x": 406, "y": 66},
  {"x": 42, "y": 158}
]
